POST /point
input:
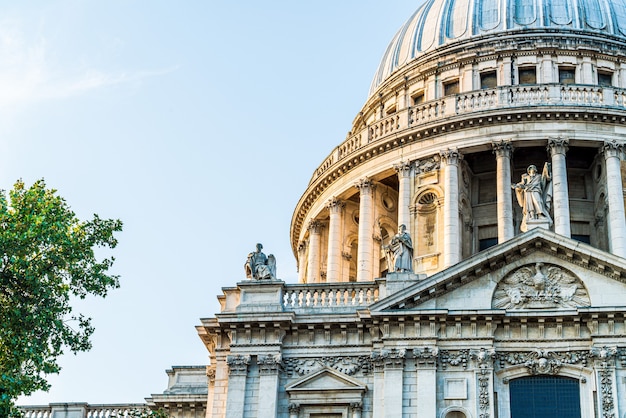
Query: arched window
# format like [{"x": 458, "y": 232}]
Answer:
[{"x": 455, "y": 414}]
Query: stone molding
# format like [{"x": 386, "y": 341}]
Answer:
[{"x": 543, "y": 361}]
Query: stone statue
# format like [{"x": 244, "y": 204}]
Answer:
[
  {"x": 399, "y": 252},
  {"x": 534, "y": 195},
  {"x": 259, "y": 266}
]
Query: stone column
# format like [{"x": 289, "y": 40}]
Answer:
[
  {"x": 404, "y": 193},
  {"x": 238, "y": 372},
  {"x": 615, "y": 196},
  {"x": 302, "y": 262},
  {"x": 451, "y": 230},
  {"x": 503, "y": 151},
  {"x": 210, "y": 374},
  {"x": 378, "y": 397},
  {"x": 313, "y": 268},
  {"x": 366, "y": 222},
  {"x": 333, "y": 266},
  {"x": 426, "y": 380},
  {"x": 557, "y": 148},
  {"x": 268, "y": 384}
]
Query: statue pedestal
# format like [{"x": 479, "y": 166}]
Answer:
[
  {"x": 538, "y": 223},
  {"x": 394, "y": 282}
]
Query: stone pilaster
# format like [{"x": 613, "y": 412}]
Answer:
[
  {"x": 404, "y": 193},
  {"x": 313, "y": 265},
  {"x": 302, "y": 262},
  {"x": 333, "y": 267},
  {"x": 294, "y": 410},
  {"x": 356, "y": 408},
  {"x": 388, "y": 374},
  {"x": 483, "y": 360},
  {"x": 604, "y": 367},
  {"x": 503, "y": 151},
  {"x": 210, "y": 402},
  {"x": 557, "y": 148},
  {"x": 451, "y": 230},
  {"x": 426, "y": 358},
  {"x": 615, "y": 196},
  {"x": 366, "y": 229},
  {"x": 269, "y": 366},
  {"x": 238, "y": 372}
]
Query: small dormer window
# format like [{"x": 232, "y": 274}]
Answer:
[
  {"x": 527, "y": 75},
  {"x": 451, "y": 87},
  {"x": 567, "y": 75},
  {"x": 605, "y": 78},
  {"x": 488, "y": 80}
]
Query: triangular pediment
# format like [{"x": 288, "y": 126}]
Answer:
[
  {"x": 535, "y": 270},
  {"x": 326, "y": 379}
]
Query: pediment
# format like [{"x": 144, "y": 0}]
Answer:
[
  {"x": 537, "y": 270},
  {"x": 326, "y": 379}
]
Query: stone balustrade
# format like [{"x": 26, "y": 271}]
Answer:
[
  {"x": 329, "y": 295},
  {"x": 500, "y": 98},
  {"x": 83, "y": 410}
]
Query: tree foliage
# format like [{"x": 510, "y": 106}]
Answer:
[{"x": 47, "y": 258}]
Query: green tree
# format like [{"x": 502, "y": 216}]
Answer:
[{"x": 47, "y": 258}]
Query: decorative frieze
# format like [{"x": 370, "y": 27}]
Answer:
[
  {"x": 426, "y": 356},
  {"x": 453, "y": 358},
  {"x": 345, "y": 365},
  {"x": 543, "y": 361},
  {"x": 427, "y": 165},
  {"x": 540, "y": 286}
]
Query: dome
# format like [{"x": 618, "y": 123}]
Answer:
[{"x": 438, "y": 23}]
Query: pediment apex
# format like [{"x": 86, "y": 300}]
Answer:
[
  {"x": 326, "y": 379},
  {"x": 496, "y": 258}
]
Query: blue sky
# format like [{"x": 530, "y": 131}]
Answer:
[{"x": 197, "y": 123}]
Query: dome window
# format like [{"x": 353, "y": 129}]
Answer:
[
  {"x": 567, "y": 75},
  {"x": 605, "y": 78},
  {"x": 527, "y": 75},
  {"x": 488, "y": 80},
  {"x": 451, "y": 87}
]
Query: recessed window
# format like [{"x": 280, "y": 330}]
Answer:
[
  {"x": 483, "y": 244},
  {"x": 527, "y": 75},
  {"x": 582, "y": 238},
  {"x": 567, "y": 75},
  {"x": 418, "y": 98},
  {"x": 391, "y": 109},
  {"x": 605, "y": 78},
  {"x": 488, "y": 80},
  {"x": 451, "y": 87}
]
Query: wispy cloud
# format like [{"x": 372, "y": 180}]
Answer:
[{"x": 29, "y": 72}]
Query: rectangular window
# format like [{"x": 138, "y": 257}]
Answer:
[
  {"x": 418, "y": 98},
  {"x": 605, "y": 79},
  {"x": 527, "y": 75},
  {"x": 567, "y": 75},
  {"x": 483, "y": 244},
  {"x": 488, "y": 80},
  {"x": 451, "y": 87}
]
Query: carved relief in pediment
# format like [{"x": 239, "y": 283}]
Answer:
[{"x": 540, "y": 286}]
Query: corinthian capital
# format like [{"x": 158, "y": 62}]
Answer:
[
  {"x": 403, "y": 168},
  {"x": 558, "y": 145},
  {"x": 612, "y": 149},
  {"x": 315, "y": 227},
  {"x": 502, "y": 148},
  {"x": 451, "y": 156},
  {"x": 365, "y": 185},
  {"x": 335, "y": 205}
]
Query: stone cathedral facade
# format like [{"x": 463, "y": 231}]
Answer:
[
  {"x": 489, "y": 154},
  {"x": 494, "y": 132}
]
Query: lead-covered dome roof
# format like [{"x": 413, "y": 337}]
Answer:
[{"x": 441, "y": 22}]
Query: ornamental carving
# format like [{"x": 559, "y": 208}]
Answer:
[
  {"x": 606, "y": 389},
  {"x": 238, "y": 364},
  {"x": 269, "y": 363},
  {"x": 388, "y": 358},
  {"x": 453, "y": 358},
  {"x": 543, "y": 361},
  {"x": 426, "y": 355},
  {"x": 540, "y": 286},
  {"x": 428, "y": 164},
  {"x": 345, "y": 365}
]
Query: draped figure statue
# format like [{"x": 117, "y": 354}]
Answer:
[
  {"x": 259, "y": 266},
  {"x": 534, "y": 195},
  {"x": 399, "y": 252}
]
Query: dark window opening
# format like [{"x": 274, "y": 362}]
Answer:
[
  {"x": 545, "y": 397},
  {"x": 451, "y": 88},
  {"x": 567, "y": 75},
  {"x": 488, "y": 80},
  {"x": 605, "y": 79},
  {"x": 527, "y": 75},
  {"x": 418, "y": 99},
  {"x": 483, "y": 244},
  {"x": 582, "y": 238}
]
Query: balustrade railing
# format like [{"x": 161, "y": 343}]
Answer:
[
  {"x": 329, "y": 295},
  {"x": 89, "y": 411},
  {"x": 503, "y": 97}
]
